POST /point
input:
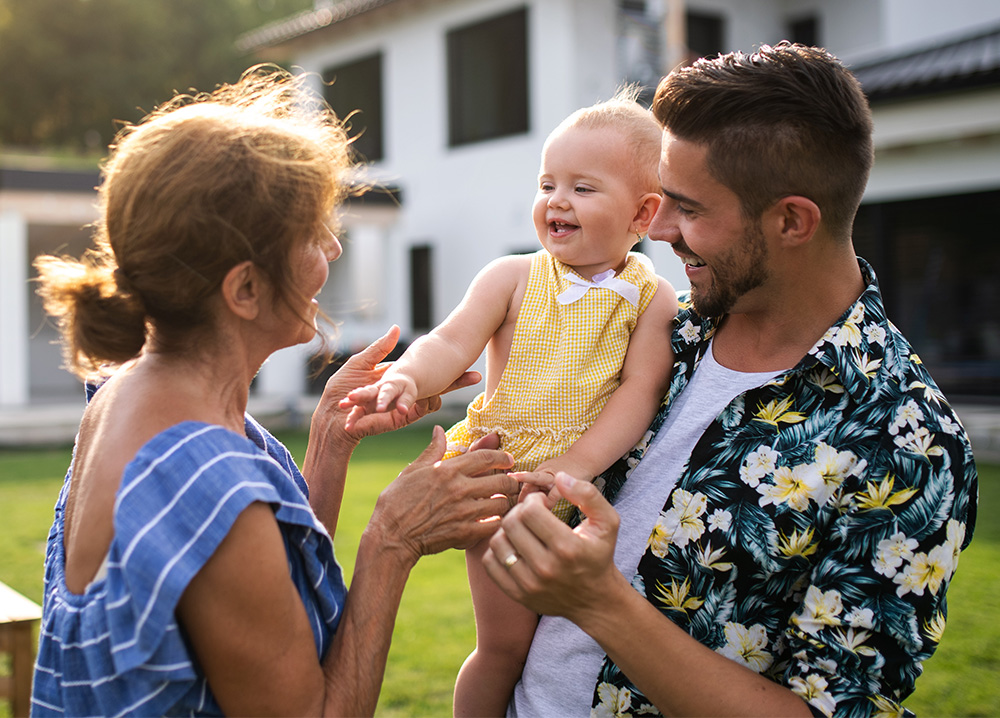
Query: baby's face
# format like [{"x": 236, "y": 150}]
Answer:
[{"x": 587, "y": 199}]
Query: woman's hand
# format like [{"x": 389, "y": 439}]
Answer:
[{"x": 434, "y": 505}]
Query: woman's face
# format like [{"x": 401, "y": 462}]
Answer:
[{"x": 310, "y": 268}]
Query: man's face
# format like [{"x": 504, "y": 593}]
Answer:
[{"x": 724, "y": 256}]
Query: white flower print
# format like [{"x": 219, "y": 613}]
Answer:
[
  {"x": 711, "y": 558},
  {"x": 679, "y": 524},
  {"x": 833, "y": 467},
  {"x": 848, "y": 335},
  {"x": 909, "y": 414},
  {"x": 875, "y": 334},
  {"x": 950, "y": 427},
  {"x": 689, "y": 332},
  {"x": 931, "y": 393},
  {"x": 615, "y": 702},
  {"x": 925, "y": 571},
  {"x": 746, "y": 645},
  {"x": 720, "y": 520},
  {"x": 792, "y": 486},
  {"x": 892, "y": 552},
  {"x": 955, "y": 538},
  {"x": 866, "y": 364},
  {"x": 886, "y": 708},
  {"x": 826, "y": 380},
  {"x": 919, "y": 442},
  {"x": 758, "y": 464},
  {"x": 827, "y": 664},
  {"x": 860, "y": 618},
  {"x": 854, "y": 641},
  {"x": 820, "y": 609},
  {"x": 813, "y": 690}
]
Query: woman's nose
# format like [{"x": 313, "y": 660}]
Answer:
[{"x": 334, "y": 250}]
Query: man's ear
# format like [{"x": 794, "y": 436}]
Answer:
[
  {"x": 242, "y": 290},
  {"x": 649, "y": 203},
  {"x": 795, "y": 218}
]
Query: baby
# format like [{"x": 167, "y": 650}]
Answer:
[{"x": 577, "y": 341}]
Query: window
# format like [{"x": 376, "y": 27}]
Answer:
[
  {"x": 421, "y": 288},
  {"x": 935, "y": 258},
  {"x": 805, "y": 30},
  {"x": 704, "y": 34},
  {"x": 488, "y": 79},
  {"x": 357, "y": 87}
]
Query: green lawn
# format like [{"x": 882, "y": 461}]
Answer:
[{"x": 435, "y": 630}]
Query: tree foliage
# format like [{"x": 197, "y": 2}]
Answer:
[{"x": 73, "y": 70}]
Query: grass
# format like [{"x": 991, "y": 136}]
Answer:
[{"x": 434, "y": 631}]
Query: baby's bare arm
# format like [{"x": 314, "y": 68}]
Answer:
[{"x": 435, "y": 360}]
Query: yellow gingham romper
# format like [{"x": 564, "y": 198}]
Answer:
[{"x": 565, "y": 362}]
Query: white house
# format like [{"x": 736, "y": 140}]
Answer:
[{"x": 457, "y": 96}]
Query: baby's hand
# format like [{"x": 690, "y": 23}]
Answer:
[
  {"x": 539, "y": 480},
  {"x": 396, "y": 393}
]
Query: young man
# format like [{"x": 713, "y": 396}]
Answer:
[{"x": 789, "y": 528}]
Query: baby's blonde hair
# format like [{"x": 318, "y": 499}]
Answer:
[
  {"x": 637, "y": 126},
  {"x": 246, "y": 172}
]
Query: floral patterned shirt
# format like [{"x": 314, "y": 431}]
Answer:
[{"x": 813, "y": 533}]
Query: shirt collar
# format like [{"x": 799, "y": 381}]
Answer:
[{"x": 856, "y": 348}]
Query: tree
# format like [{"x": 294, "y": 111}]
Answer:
[{"x": 73, "y": 70}]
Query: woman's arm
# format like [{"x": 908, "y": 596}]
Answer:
[
  {"x": 570, "y": 572},
  {"x": 248, "y": 625}
]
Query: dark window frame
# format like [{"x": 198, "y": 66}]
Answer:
[
  {"x": 358, "y": 87},
  {"x": 805, "y": 30},
  {"x": 705, "y": 33},
  {"x": 488, "y": 79},
  {"x": 422, "y": 287}
]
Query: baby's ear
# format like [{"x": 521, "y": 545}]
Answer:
[{"x": 648, "y": 204}]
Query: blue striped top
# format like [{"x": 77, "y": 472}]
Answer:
[{"x": 117, "y": 649}]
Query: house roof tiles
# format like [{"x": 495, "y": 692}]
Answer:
[
  {"x": 305, "y": 22},
  {"x": 960, "y": 63}
]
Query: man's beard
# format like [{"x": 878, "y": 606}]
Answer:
[{"x": 743, "y": 269}]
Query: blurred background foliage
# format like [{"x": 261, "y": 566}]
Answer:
[{"x": 71, "y": 71}]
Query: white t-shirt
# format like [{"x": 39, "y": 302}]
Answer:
[{"x": 563, "y": 663}]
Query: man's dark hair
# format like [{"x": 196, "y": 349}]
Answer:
[{"x": 785, "y": 120}]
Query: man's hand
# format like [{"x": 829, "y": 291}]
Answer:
[{"x": 549, "y": 567}]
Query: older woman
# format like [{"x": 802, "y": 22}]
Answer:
[{"x": 190, "y": 568}]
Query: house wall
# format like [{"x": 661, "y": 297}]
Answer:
[{"x": 912, "y": 22}]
